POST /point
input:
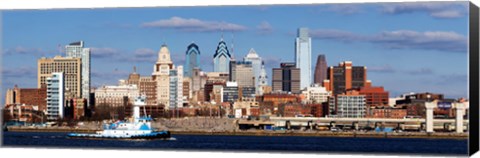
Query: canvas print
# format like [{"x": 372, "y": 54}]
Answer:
[{"x": 374, "y": 78}]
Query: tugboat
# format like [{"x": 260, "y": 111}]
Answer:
[{"x": 138, "y": 128}]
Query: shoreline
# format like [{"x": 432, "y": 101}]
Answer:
[{"x": 268, "y": 133}]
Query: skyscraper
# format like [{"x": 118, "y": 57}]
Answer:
[
  {"x": 176, "y": 88},
  {"x": 221, "y": 58},
  {"x": 303, "y": 55},
  {"x": 161, "y": 75},
  {"x": 77, "y": 50},
  {"x": 192, "y": 59},
  {"x": 71, "y": 68},
  {"x": 286, "y": 78},
  {"x": 320, "y": 69},
  {"x": 55, "y": 95},
  {"x": 242, "y": 73},
  {"x": 345, "y": 77},
  {"x": 256, "y": 60},
  {"x": 168, "y": 79}
]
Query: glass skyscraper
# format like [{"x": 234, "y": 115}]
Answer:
[
  {"x": 192, "y": 59},
  {"x": 77, "y": 50},
  {"x": 221, "y": 58},
  {"x": 303, "y": 55},
  {"x": 256, "y": 61}
]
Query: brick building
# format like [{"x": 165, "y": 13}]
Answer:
[
  {"x": 23, "y": 113},
  {"x": 374, "y": 96},
  {"x": 386, "y": 112},
  {"x": 344, "y": 77},
  {"x": 279, "y": 98},
  {"x": 27, "y": 96}
]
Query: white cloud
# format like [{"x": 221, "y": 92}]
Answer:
[
  {"x": 434, "y": 9},
  {"x": 333, "y": 34},
  {"x": 194, "y": 25},
  {"x": 421, "y": 71},
  {"x": 345, "y": 9},
  {"x": 21, "y": 50},
  {"x": 264, "y": 28},
  {"x": 431, "y": 40},
  {"x": 103, "y": 52},
  {"x": 22, "y": 72},
  {"x": 381, "y": 69},
  {"x": 400, "y": 39}
]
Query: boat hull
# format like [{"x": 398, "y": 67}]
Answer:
[{"x": 152, "y": 135}]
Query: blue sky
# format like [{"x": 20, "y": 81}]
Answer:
[{"x": 407, "y": 47}]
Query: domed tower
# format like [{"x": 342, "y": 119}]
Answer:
[
  {"x": 262, "y": 80},
  {"x": 161, "y": 75},
  {"x": 164, "y": 62}
]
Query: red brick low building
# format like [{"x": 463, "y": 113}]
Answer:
[
  {"x": 28, "y": 96},
  {"x": 374, "y": 96},
  {"x": 23, "y": 113},
  {"x": 387, "y": 112}
]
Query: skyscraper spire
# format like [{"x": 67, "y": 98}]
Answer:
[
  {"x": 222, "y": 34},
  {"x": 232, "y": 53}
]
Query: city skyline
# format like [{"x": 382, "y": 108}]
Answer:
[{"x": 118, "y": 44}]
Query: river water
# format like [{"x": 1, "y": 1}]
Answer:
[{"x": 250, "y": 143}]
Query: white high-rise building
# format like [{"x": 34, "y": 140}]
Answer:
[
  {"x": 169, "y": 80},
  {"x": 256, "y": 60},
  {"x": 161, "y": 75},
  {"x": 176, "y": 87},
  {"x": 303, "y": 54},
  {"x": 55, "y": 96},
  {"x": 77, "y": 50}
]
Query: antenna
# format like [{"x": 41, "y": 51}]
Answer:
[
  {"x": 59, "y": 47},
  {"x": 222, "y": 32},
  {"x": 233, "y": 55}
]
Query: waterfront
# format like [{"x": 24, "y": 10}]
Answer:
[{"x": 249, "y": 143}]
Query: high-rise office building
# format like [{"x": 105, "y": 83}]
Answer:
[
  {"x": 320, "y": 70},
  {"x": 161, "y": 75},
  {"x": 345, "y": 77},
  {"x": 192, "y": 59},
  {"x": 221, "y": 58},
  {"x": 303, "y": 57},
  {"x": 77, "y": 50},
  {"x": 286, "y": 78},
  {"x": 55, "y": 95},
  {"x": 198, "y": 80},
  {"x": 72, "y": 73},
  {"x": 257, "y": 63},
  {"x": 168, "y": 79},
  {"x": 242, "y": 73},
  {"x": 176, "y": 88}
]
